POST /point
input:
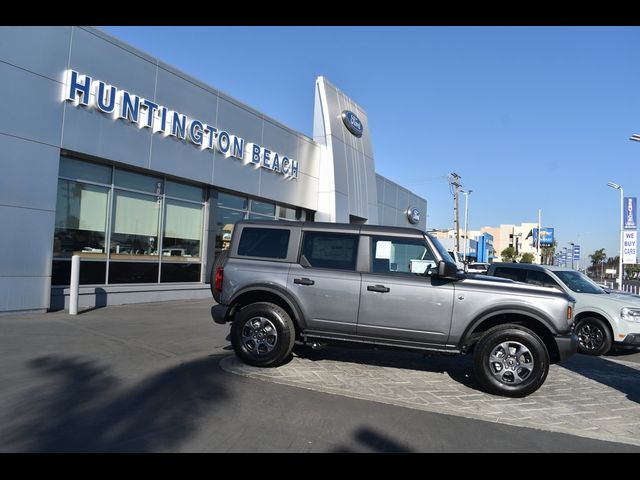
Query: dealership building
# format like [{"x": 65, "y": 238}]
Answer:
[{"x": 140, "y": 169}]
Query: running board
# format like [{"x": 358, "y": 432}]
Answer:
[{"x": 308, "y": 337}]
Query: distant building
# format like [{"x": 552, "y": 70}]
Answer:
[
  {"x": 486, "y": 244},
  {"x": 520, "y": 237},
  {"x": 485, "y": 249}
]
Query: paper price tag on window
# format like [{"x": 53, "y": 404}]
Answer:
[{"x": 383, "y": 250}]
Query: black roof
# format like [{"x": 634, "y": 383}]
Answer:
[
  {"x": 521, "y": 266},
  {"x": 346, "y": 227}
]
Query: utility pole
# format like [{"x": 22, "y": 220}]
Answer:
[
  {"x": 455, "y": 182},
  {"x": 466, "y": 220}
]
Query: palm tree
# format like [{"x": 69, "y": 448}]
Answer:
[
  {"x": 509, "y": 254},
  {"x": 597, "y": 258},
  {"x": 548, "y": 253},
  {"x": 527, "y": 257}
]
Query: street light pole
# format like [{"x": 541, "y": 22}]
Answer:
[
  {"x": 466, "y": 219},
  {"x": 619, "y": 187}
]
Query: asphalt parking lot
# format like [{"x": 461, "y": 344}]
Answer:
[
  {"x": 161, "y": 377},
  {"x": 591, "y": 397}
]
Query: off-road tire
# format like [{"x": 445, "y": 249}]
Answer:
[
  {"x": 262, "y": 334},
  {"x": 511, "y": 361}
]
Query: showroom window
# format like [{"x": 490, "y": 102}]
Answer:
[
  {"x": 127, "y": 227},
  {"x": 230, "y": 208}
]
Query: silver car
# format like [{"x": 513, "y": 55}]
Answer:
[{"x": 604, "y": 318}]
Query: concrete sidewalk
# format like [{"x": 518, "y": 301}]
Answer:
[{"x": 147, "y": 378}]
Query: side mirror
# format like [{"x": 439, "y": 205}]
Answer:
[{"x": 447, "y": 269}]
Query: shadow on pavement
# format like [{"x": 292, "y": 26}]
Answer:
[
  {"x": 458, "y": 367},
  {"x": 376, "y": 442},
  {"x": 623, "y": 352},
  {"x": 80, "y": 407},
  {"x": 615, "y": 375}
]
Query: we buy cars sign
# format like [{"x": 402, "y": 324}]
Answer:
[{"x": 630, "y": 246}]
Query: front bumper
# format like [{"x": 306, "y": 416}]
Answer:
[
  {"x": 631, "y": 340},
  {"x": 219, "y": 313},
  {"x": 567, "y": 345}
]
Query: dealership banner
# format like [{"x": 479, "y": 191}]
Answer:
[
  {"x": 546, "y": 237},
  {"x": 630, "y": 246},
  {"x": 629, "y": 211},
  {"x": 576, "y": 252}
]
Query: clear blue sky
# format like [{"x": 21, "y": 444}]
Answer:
[{"x": 530, "y": 117}]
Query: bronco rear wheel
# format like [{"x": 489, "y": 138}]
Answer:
[
  {"x": 510, "y": 360},
  {"x": 262, "y": 334}
]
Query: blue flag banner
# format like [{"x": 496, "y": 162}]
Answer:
[
  {"x": 629, "y": 212},
  {"x": 546, "y": 237}
]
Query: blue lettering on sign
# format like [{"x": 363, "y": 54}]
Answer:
[
  {"x": 212, "y": 132},
  {"x": 109, "y": 105},
  {"x": 151, "y": 109},
  {"x": 266, "y": 158},
  {"x": 179, "y": 125},
  {"x": 224, "y": 143},
  {"x": 275, "y": 166},
  {"x": 78, "y": 84},
  {"x": 83, "y": 90},
  {"x": 129, "y": 106},
  {"x": 255, "y": 153},
  {"x": 195, "y": 132},
  {"x": 163, "y": 120},
  {"x": 238, "y": 147}
]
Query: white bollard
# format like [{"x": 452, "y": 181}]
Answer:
[{"x": 75, "y": 283}]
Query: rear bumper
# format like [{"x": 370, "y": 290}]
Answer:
[
  {"x": 567, "y": 345},
  {"x": 219, "y": 313}
]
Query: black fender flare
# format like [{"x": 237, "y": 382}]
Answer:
[
  {"x": 532, "y": 313},
  {"x": 274, "y": 290}
]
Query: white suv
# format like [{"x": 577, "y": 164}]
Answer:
[{"x": 603, "y": 318}]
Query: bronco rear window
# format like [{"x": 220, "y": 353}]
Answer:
[{"x": 264, "y": 242}]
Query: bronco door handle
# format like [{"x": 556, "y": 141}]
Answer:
[
  {"x": 303, "y": 281},
  {"x": 378, "y": 288}
]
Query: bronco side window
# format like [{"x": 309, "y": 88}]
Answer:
[
  {"x": 329, "y": 250},
  {"x": 541, "y": 279},
  {"x": 515, "y": 274},
  {"x": 401, "y": 255},
  {"x": 264, "y": 242}
]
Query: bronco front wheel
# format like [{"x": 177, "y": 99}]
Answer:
[{"x": 511, "y": 360}]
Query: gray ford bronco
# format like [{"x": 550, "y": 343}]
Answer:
[{"x": 288, "y": 282}]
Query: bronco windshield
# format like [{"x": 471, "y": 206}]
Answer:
[{"x": 579, "y": 282}]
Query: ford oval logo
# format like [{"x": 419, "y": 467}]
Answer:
[
  {"x": 353, "y": 123},
  {"x": 413, "y": 214}
]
